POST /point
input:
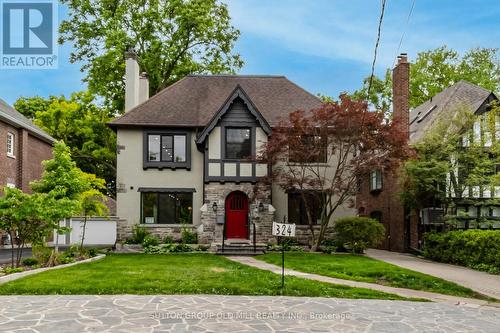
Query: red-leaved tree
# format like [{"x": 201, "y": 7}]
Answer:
[{"x": 323, "y": 152}]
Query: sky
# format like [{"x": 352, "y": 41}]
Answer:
[{"x": 325, "y": 46}]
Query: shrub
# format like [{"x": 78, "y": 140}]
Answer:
[
  {"x": 189, "y": 237},
  {"x": 167, "y": 248},
  {"x": 332, "y": 245},
  {"x": 478, "y": 249},
  {"x": 93, "y": 252},
  {"x": 150, "y": 241},
  {"x": 29, "y": 262},
  {"x": 359, "y": 233},
  {"x": 41, "y": 253},
  {"x": 138, "y": 235},
  {"x": 168, "y": 239},
  {"x": 10, "y": 270}
]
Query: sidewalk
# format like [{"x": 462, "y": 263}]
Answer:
[
  {"x": 470, "y": 302},
  {"x": 481, "y": 282}
]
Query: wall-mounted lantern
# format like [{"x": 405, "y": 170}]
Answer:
[{"x": 214, "y": 207}]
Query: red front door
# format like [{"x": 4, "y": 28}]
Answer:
[{"x": 237, "y": 215}]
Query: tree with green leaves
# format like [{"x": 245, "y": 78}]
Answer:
[
  {"x": 433, "y": 71},
  {"x": 172, "y": 38},
  {"x": 92, "y": 201},
  {"x": 63, "y": 182},
  {"x": 455, "y": 162},
  {"x": 81, "y": 124}
]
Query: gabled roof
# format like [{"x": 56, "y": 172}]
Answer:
[
  {"x": 237, "y": 93},
  {"x": 462, "y": 93},
  {"x": 194, "y": 100},
  {"x": 13, "y": 117}
]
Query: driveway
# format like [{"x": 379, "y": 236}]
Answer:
[
  {"x": 484, "y": 283},
  {"x": 127, "y": 313}
]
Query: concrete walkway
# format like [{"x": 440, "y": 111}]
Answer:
[
  {"x": 470, "y": 302},
  {"x": 149, "y": 313},
  {"x": 481, "y": 282}
]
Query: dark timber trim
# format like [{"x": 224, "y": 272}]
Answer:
[{"x": 238, "y": 92}]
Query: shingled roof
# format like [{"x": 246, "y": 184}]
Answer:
[
  {"x": 462, "y": 93},
  {"x": 13, "y": 117},
  {"x": 195, "y": 99}
]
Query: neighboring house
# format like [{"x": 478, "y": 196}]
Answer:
[
  {"x": 23, "y": 147},
  {"x": 183, "y": 156},
  {"x": 378, "y": 196}
]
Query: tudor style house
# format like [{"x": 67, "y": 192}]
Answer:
[
  {"x": 186, "y": 156},
  {"x": 23, "y": 147},
  {"x": 378, "y": 197}
]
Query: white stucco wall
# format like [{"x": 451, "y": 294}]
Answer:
[{"x": 131, "y": 174}]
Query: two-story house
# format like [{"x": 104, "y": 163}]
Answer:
[
  {"x": 379, "y": 192},
  {"x": 186, "y": 156},
  {"x": 23, "y": 147}
]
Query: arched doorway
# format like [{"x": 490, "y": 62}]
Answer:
[{"x": 237, "y": 215}]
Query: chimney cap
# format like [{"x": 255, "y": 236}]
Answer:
[
  {"x": 130, "y": 53},
  {"x": 402, "y": 58},
  {"x": 143, "y": 75}
]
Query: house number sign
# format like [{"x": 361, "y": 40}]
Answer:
[{"x": 283, "y": 229}]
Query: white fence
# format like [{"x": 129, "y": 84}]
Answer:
[{"x": 99, "y": 231}]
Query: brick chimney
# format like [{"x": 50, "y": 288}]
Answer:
[{"x": 401, "y": 93}]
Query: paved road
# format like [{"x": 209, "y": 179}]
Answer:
[
  {"x": 54, "y": 314},
  {"x": 484, "y": 283},
  {"x": 5, "y": 255}
]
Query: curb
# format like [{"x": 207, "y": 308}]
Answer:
[{"x": 16, "y": 276}]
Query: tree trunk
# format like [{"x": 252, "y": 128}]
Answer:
[
  {"x": 12, "y": 249},
  {"x": 84, "y": 228}
]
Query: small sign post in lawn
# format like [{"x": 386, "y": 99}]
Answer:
[{"x": 282, "y": 230}]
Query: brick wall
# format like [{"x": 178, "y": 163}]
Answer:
[
  {"x": 8, "y": 165},
  {"x": 26, "y": 165},
  {"x": 401, "y": 227}
]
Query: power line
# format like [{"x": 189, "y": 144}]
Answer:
[
  {"x": 376, "y": 48},
  {"x": 404, "y": 30}
]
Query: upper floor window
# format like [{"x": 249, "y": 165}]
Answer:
[
  {"x": 10, "y": 144},
  {"x": 313, "y": 150},
  {"x": 166, "y": 149},
  {"x": 376, "y": 180},
  {"x": 238, "y": 143}
]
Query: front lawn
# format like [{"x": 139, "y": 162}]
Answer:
[
  {"x": 174, "y": 274},
  {"x": 361, "y": 268}
]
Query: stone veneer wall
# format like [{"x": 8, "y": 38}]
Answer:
[
  {"x": 217, "y": 192},
  {"x": 124, "y": 230}
]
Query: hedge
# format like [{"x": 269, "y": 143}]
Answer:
[{"x": 478, "y": 249}]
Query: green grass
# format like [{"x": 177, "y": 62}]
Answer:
[
  {"x": 361, "y": 268},
  {"x": 175, "y": 274}
]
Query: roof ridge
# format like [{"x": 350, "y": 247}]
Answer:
[
  {"x": 307, "y": 92},
  {"x": 237, "y": 75}
]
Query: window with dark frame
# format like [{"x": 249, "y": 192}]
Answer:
[
  {"x": 167, "y": 208},
  {"x": 238, "y": 143},
  {"x": 167, "y": 148},
  {"x": 297, "y": 211},
  {"x": 316, "y": 150},
  {"x": 376, "y": 180}
]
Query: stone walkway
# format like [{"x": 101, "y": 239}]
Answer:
[
  {"x": 127, "y": 313},
  {"x": 251, "y": 261},
  {"x": 484, "y": 283}
]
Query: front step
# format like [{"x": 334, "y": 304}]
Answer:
[{"x": 240, "y": 249}]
